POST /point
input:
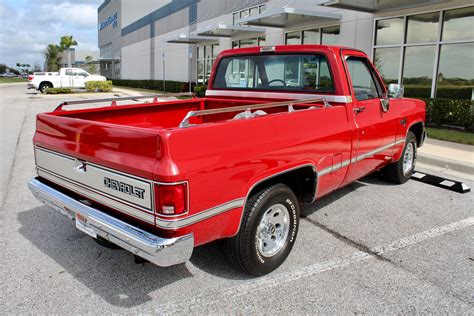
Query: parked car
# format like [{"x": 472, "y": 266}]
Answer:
[
  {"x": 66, "y": 78},
  {"x": 161, "y": 178}
]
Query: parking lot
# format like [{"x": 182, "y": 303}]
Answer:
[{"x": 370, "y": 247}]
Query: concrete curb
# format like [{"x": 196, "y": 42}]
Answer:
[{"x": 451, "y": 164}]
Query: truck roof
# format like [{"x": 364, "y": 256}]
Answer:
[{"x": 283, "y": 49}]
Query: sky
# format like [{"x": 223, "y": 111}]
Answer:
[{"x": 28, "y": 26}]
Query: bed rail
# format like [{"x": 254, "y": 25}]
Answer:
[
  {"x": 185, "y": 122},
  {"x": 114, "y": 100}
]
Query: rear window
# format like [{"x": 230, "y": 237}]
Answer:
[{"x": 291, "y": 72}]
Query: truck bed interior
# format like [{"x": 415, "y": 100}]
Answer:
[{"x": 167, "y": 114}]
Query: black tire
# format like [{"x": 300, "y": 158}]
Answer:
[
  {"x": 243, "y": 249},
  {"x": 394, "y": 172},
  {"x": 45, "y": 86}
]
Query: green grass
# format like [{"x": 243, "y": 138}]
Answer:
[
  {"x": 451, "y": 135},
  {"x": 12, "y": 80}
]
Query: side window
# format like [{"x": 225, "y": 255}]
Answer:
[
  {"x": 69, "y": 72},
  {"x": 363, "y": 81}
]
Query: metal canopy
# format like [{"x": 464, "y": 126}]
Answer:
[
  {"x": 224, "y": 30},
  {"x": 189, "y": 39},
  {"x": 373, "y": 6},
  {"x": 287, "y": 17}
]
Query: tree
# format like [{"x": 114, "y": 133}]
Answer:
[
  {"x": 52, "y": 58},
  {"x": 66, "y": 43},
  {"x": 90, "y": 67},
  {"x": 18, "y": 65}
]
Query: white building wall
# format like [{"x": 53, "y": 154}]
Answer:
[{"x": 136, "y": 60}]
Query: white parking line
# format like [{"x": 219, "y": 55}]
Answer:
[{"x": 274, "y": 279}]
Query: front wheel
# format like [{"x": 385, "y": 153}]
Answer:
[
  {"x": 401, "y": 171},
  {"x": 268, "y": 230}
]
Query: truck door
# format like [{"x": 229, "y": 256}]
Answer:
[
  {"x": 67, "y": 78},
  {"x": 79, "y": 79},
  {"x": 376, "y": 128}
]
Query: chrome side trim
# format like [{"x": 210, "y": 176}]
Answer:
[
  {"x": 277, "y": 95},
  {"x": 182, "y": 222},
  {"x": 375, "y": 151},
  {"x": 93, "y": 195},
  {"x": 160, "y": 251}
]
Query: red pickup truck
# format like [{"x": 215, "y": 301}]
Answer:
[{"x": 279, "y": 127}]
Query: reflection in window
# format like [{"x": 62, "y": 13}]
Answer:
[
  {"x": 387, "y": 61},
  {"x": 362, "y": 81},
  {"x": 423, "y": 28},
  {"x": 418, "y": 70},
  {"x": 458, "y": 24},
  {"x": 455, "y": 78},
  {"x": 330, "y": 35},
  {"x": 311, "y": 36},
  {"x": 293, "y": 38},
  {"x": 281, "y": 72},
  {"x": 389, "y": 31}
]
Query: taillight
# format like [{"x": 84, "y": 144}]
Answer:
[
  {"x": 171, "y": 199},
  {"x": 30, "y": 77}
]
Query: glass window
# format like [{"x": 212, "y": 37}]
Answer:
[
  {"x": 215, "y": 51},
  {"x": 244, "y": 14},
  {"x": 389, "y": 31},
  {"x": 262, "y": 8},
  {"x": 458, "y": 24},
  {"x": 200, "y": 52},
  {"x": 261, "y": 41},
  {"x": 235, "y": 18},
  {"x": 456, "y": 71},
  {"x": 295, "y": 72},
  {"x": 330, "y": 35},
  {"x": 418, "y": 70},
  {"x": 423, "y": 28},
  {"x": 292, "y": 38},
  {"x": 387, "y": 62},
  {"x": 250, "y": 42},
  {"x": 362, "y": 80},
  {"x": 200, "y": 71},
  {"x": 254, "y": 11},
  {"x": 311, "y": 36}
]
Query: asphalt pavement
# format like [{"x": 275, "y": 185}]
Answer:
[{"x": 371, "y": 247}]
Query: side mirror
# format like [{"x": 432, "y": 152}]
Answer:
[{"x": 395, "y": 91}]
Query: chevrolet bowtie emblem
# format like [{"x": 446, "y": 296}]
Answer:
[{"x": 79, "y": 165}]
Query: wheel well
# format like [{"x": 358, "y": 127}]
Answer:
[
  {"x": 302, "y": 182},
  {"x": 417, "y": 129},
  {"x": 45, "y": 82}
]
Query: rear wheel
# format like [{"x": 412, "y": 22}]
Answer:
[
  {"x": 45, "y": 86},
  {"x": 268, "y": 231},
  {"x": 401, "y": 171}
]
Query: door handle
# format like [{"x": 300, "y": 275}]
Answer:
[{"x": 359, "y": 109}]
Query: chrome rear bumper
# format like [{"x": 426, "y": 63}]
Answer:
[{"x": 160, "y": 251}]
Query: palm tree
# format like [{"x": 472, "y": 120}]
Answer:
[{"x": 66, "y": 43}]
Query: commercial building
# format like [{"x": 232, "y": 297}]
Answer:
[{"x": 427, "y": 45}]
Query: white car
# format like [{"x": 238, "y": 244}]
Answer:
[{"x": 67, "y": 78}]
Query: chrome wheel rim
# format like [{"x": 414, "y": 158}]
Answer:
[
  {"x": 408, "y": 159},
  {"x": 273, "y": 230}
]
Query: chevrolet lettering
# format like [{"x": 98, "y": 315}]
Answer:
[
  {"x": 159, "y": 178},
  {"x": 123, "y": 187}
]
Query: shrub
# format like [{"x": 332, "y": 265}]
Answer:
[
  {"x": 200, "y": 90},
  {"x": 58, "y": 90},
  {"x": 99, "y": 86},
  {"x": 171, "y": 86},
  {"x": 450, "y": 112},
  {"x": 450, "y": 92}
]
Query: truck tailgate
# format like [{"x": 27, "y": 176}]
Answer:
[{"x": 128, "y": 149}]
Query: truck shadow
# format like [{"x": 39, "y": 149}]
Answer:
[
  {"x": 372, "y": 179},
  {"x": 111, "y": 274}
]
